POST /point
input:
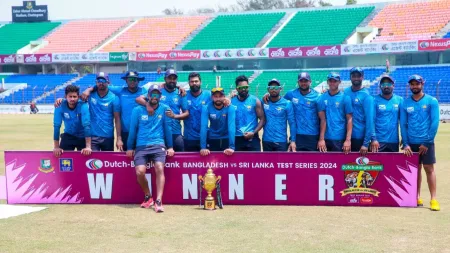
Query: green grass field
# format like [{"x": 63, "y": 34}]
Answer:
[{"x": 127, "y": 228}]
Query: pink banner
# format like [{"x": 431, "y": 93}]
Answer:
[
  {"x": 247, "y": 178},
  {"x": 168, "y": 55},
  {"x": 434, "y": 45},
  {"x": 37, "y": 58},
  {"x": 2, "y": 187},
  {"x": 7, "y": 59},
  {"x": 295, "y": 52}
]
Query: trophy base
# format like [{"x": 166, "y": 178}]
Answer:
[{"x": 210, "y": 205}]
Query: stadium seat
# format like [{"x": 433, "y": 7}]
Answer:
[
  {"x": 81, "y": 35},
  {"x": 411, "y": 21},
  {"x": 447, "y": 35},
  {"x": 234, "y": 31},
  {"x": 18, "y": 35},
  {"x": 155, "y": 34},
  {"x": 320, "y": 27}
]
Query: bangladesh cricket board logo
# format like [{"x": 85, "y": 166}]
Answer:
[
  {"x": 360, "y": 176},
  {"x": 46, "y": 166}
]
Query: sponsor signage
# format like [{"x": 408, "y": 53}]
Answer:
[
  {"x": 382, "y": 179},
  {"x": 118, "y": 56},
  {"x": 34, "y": 58},
  {"x": 295, "y": 52},
  {"x": 8, "y": 59},
  {"x": 379, "y": 48},
  {"x": 168, "y": 55},
  {"x": 434, "y": 45},
  {"x": 242, "y": 53},
  {"x": 444, "y": 112},
  {"x": 80, "y": 57},
  {"x": 29, "y": 12}
]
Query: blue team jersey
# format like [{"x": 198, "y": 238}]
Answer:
[
  {"x": 193, "y": 122},
  {"x": 387, "y": 118},
  {"x": 278, "y": 115},
  {"x": 148, "y": 130},
  {"x": 102, "y": 111},
  {"x": 177, "y": 104},
  {"x": 336, "y": 108},
  {"x": 77, "y": 121},
  {"x": 246, "y": 117},
  {"x": 362, "y": 104},
  {"x": 419, "y": 120},
  {"x": 222, "y": 124},
  {"x": 127, "y": 103},
  {"x": 305, "y": 110}
]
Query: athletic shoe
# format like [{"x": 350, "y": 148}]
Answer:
[
  {"x": 148, "y": 202},
  {"x": 158, "y": 206},
  {"x": 434, "y": 205},
  {"x": 419, "y": 202}
]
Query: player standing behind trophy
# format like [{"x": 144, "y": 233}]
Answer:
[
  {"x": 420, "y": 121},
  {"x": 77, "y": 124},
  {"x": 335, "y": 114},
  {"x": 279, "y": 112},
  {"x": 220, "y": 135},
  {"x": 150, "y": 139},
  {"x": 387, "y": 109},
  {"x": 248, "y": 110}
]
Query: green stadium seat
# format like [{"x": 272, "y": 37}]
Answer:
[
  {"x": 18, "y": 35},
  {"x": 234, "y": 31},
  {"x": 322, "y": 27}
]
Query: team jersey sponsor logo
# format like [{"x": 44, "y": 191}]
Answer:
[
  {"x": 382, "y": 107},
  {"x": 144, "y": 117}
]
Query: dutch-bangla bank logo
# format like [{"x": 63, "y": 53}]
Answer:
[{"x": 94, "y": 164}]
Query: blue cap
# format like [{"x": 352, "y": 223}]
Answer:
[
  {"x": 102, "y": 75},
  {"x": 132, "y": 74},
  {"x": 170, "y": 72},
  {"x": 153, "y": 87},
  {"x": 416, "y": 78},
  {"x": 385, "y": 76},
  {"x": 274, "y": 81},
  {"x": 357, "y": 70},
  {"x": 334, "y": 76},
  {"x": 304, "y": 75}
]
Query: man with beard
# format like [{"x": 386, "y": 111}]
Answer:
[
  {"x": 362, "y": 104},
  {"x": 150, "y": 136},
  {"x": 248, "y": 111},
  {"x": 420, "y": 122},
  {"x": 127, "y": 96},
  {"x": 278, "y": 113},
  {"x": 387, "y": 111},
  {"x": 177, "y": 107},
  {"x": 104, "y": 108},
  {"x": 220, "y": 135},
  {"x": 335, "y": 113},
  {"x": 77, "y": 124},
  {"x": 196, "y": 98}
]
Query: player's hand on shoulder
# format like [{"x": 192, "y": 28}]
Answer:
[
  {"x": 57, "y": 152},
  {"x": 228, "y": 151},
  {"x": 86, "y": 151},
  {"x": 182, "y": 91},
  {"x": 130, "y": 153},
  {"x": 204, "y": 152},
  {"x": 58, "y": 102},
  {"x": 226, "y": 102},
  {"x": 266, "y": 98}
]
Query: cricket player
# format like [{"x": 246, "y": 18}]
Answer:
[
  {"x": 150, "y": 139},
  {"x": 77, "y": 124},
  {"x": 420, "y": 122}
]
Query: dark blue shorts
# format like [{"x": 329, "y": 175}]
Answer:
[
  {"x": 70, "y": 143},
  {"x": 248, "y": 145},
  {"x": 102, "y": 143},
  {"x": 334, "y": 146},
  {"x": 357, "y": 144},
  {"x": 192, "y": 145},
  {"x": 388, "y": 147},
  {"x": 274, "y": 146},
  {"x": 218, "y": 144},
  {"x": 429, "y": 157},
  {"x": 178, "y": 142},
  {"x": 152, "y": 153},
  {"x": 306, "y": 142}
]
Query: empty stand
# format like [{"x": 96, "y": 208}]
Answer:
[
  {"x": 17, "y": 35},
  {"x": 81, "y": 35},
  {"x": 320, "y": 27},
  {"x": 155, "y": 34},
  {"x": 411, "y": 21},
  {"x": 234, "y": 31}
]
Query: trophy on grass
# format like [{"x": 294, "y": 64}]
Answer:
[{"x": 209, "y": 182}]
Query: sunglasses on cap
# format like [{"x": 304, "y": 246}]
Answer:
[
  {"x": 242, "y": 87},
  {"x": 132, "y": 79},
  {"x": 155, "y": 95},
  {"x": 217, "y": 89},
  {"x": 274, "y": 87},
  {"x": 101, "y": 80},
  {"x": 387, "y": 84}
]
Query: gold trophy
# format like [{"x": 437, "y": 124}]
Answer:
[{"x": 209, "y": 182}]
